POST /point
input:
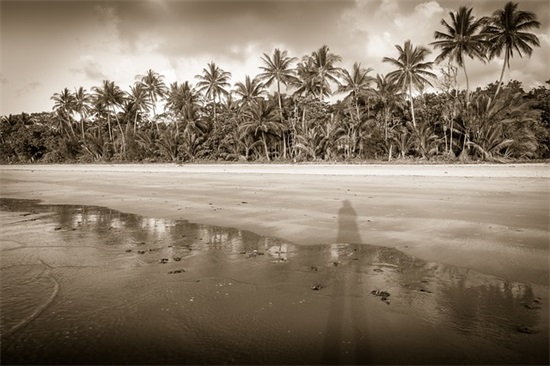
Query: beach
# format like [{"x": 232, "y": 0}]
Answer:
[
  {"x": 274, "y": 264},
  {"x": 490, "y": 218}
]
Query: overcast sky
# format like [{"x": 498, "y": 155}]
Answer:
[{"x": 47, "y": 46}]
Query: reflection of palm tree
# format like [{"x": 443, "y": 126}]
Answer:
[{"x": 348, "y": 231}]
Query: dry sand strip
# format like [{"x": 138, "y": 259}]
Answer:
[
  {"x": 492, "y": 218},
  {"x": 467, "y": 170}
]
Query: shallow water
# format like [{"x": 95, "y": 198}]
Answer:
[{"x": 88, "y": 285}]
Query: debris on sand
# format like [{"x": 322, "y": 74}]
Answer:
[
  {"x": 316, "y": 287},
  {"x": 533, "y": 305},
  {"x": 384, "y": 295},
  {"x": 524, "y": 329},
  {"x": 177, "y": 271}
]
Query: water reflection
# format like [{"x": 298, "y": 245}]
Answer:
[
  {"x": 119, "y": 289},
  {"x": 348, "y": 231}
]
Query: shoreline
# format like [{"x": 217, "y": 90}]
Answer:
[
  {"x": 491, "y": 218},
  {"x": 534, "y": 170}
]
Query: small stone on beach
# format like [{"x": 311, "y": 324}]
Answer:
[{"x": 524, "y": 329}]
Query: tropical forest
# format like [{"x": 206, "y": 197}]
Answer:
[{"x": 309, "y": 108}]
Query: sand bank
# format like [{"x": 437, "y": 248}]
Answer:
[{"x": 491, "y": 218}]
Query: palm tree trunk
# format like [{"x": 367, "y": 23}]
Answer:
[
  {"x": 385, "y": 124},
  {"x": 155, "y": 115},
  {"x": 265, "y": 146},
  {"x": 467, "y": 83},
  {"x": 284, "y": 144},
  {"x": 451, "y": 138},
  {"x": 214, "y": 101},
  {"x": 412, "y": 106},
  {"x": 70, "y": 123},
  {"x": 501, "y": 75},
  {"x": 109, "y": 126},
  {"x": 357, "y": 108},
  {"x": 281, "y": 114},
  {"x": 82, "y": 125}
]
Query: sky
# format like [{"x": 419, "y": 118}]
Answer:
[{"x": 49, "y": 45}]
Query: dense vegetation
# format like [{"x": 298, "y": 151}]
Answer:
[{"x": 380, "y": 117}]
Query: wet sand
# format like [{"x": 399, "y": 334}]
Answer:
[
  {"x": 92, "y": 285},
  {"x": 490, "y": 218}
]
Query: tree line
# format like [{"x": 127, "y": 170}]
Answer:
[{"x": 283, "y": 112}]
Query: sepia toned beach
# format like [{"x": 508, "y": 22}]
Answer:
[
  {"x": 461, "y": 215},
  {"x": 323, "y": 264},
  {"x": 188, "y": 182}
]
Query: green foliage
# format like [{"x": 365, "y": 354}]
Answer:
[{"x": 377, "y": 118}]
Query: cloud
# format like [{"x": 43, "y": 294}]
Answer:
[
  {"x": 89, "y": 68},
  {"x": 429, "y": 9},
  {"x": 27, "y": 88}
]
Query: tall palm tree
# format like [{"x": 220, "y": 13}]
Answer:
[
  {"x": 412, "y": 70},
  {"x": 463, "y": 37},
  {"x": 306, "y": 83},
  {"x": 507, "y": 31},
  {"x": 182, "y": 100},
  {"x": 213, "y": 83},
  {"x": 153, "y": 84},
  {"x": 323, "y": 64},
  {"x": 277, "y": 69},
  {"x": 82, "y": 105},
  {"x": 64, "y": 104},
  {"x": 139, "y": 96},
  {"x": 179, "y": 96},
  {"x": 357, "y": 83},
  {"x": 249, "y": 90},
  {"x": 111, "y": 96}
]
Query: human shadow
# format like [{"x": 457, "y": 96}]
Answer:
[
  {"x": 347, "y": 315},
  {"x": 348, "y": 232}
]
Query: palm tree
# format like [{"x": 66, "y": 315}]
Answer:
[
  {"x": 390, "y": 96},
  {"x": 82, "y": 105},
  {"x": 111, "y": 96},
  {"x": 463, "y": 38},
  {"x": 140, "y": 97},
  {"x": 260, "y": 117},
  {"x": 306, "y": 83},
  {"x": 249, "y": 90},
  {"x": 64, "y": 104},
  {"x": 323, "y": 62},
  {"x": 179, "y": 98},
  {"x": 508, "y": 31},
  {"x": 357, "y": 83},
  {"x": 277, "y": 68},
  {"x": 213, "y": 82},
  {"x": 154, "y": 86},
  {"x": 412, "y": 70}
]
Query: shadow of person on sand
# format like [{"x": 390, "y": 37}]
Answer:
[
  {"x": 345, "y": 341},
  {"x": 348, "y": 232}
]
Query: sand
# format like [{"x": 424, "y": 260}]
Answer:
[{"x": 490, "y": 218}]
